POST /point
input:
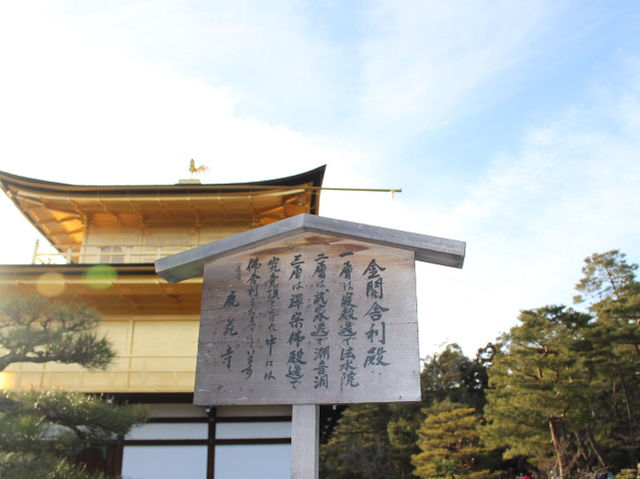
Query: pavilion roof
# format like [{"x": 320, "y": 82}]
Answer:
[{"x": 61, "y": 211}]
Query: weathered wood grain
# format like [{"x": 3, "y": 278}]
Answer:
[{"x": 302, "y": 332}]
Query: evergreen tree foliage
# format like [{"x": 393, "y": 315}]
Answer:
[
  {"x": 42, "y": 431},
  {"x": 607, "y": 277},
  {"x": 37, "y": 330},
  {"x": 402, "y": 435},
  {"x": 75, "y": 420},
  {"x": 449, "y": 443},
  {"x": 452, "y": 375},
  {"x": 558, "y": 394},
  {"x": 384, "y": 436},
  {"x": 565, "y": 386},
  {"x": 610, "y": 288},
  {"x": 539, "y": 397},
  {"x": 41, "y": 466},
  {"x": 627, "y": 474},
  {"x": 360, "y": 446}
]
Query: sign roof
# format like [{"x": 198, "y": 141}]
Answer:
[{"x": 430, "y": 249}]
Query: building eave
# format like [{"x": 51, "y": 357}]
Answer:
[
  {"x": 59, "y": 211},
  {"x": 314, "y": 177},
  {"x": 112, "y": 289}
]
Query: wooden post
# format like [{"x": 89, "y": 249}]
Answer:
[
  {"x": 305, "y": 441},
  {"x": 35, "y": 251}
]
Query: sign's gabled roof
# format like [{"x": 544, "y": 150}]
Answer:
[{"x": 429, "y": 249}]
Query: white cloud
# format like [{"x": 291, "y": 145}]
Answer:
[
  {"x": 570, "y": 191},
  {"x": 81, "y": 111},
  {"x": 70, "y": 94},
  {"x": 268, "y": 51},
  {"x": 429, "y": 63}
]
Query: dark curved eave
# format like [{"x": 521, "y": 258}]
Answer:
[
  {"x": 75, "y": 269},
  {"x": 314, "y": 177},
  {"x": 131, "y": 287},
  {"x": 10, "y": 182}
]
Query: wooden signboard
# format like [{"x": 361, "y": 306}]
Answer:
[
  {"x": 312, "y": 319},
  {"x": 309, "y": 311}
]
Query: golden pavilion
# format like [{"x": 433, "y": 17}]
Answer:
[{"x": 105, "y": 240}]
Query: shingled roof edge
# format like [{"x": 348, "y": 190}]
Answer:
[{"x": 430, "y": 249}]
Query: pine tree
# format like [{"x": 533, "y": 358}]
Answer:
[
  {"x": 359, "y": 448},
  {"x": 402, "y": 431},
  {"x": 37, "y": 330},
  {"x": 41, "y": 432},
  {"x": 612, "y": 293},
  {"x": 607, "y": 278},
  {"x": 449, "y": 441},
  {"x": 452, "y": 375},
  {"x": 379, "y": 440},
  {"x": 541, "y": 394}
]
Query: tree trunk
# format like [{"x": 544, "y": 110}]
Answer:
[
  {"x": 574, "y": 460},
  {"x": 557, "y": 446},
  {"x": 627, "y": 403},
  {"x": 594, "y": 447}
]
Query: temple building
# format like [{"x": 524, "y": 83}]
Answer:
[{"x": 105, "y": 240}]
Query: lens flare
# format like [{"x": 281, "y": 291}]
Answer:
[
  {"x": 101, "y": 276},
  {"x": 50, "y": 284},
  {"x": 6, "y": 380}
]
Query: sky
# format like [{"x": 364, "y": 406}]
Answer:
[{"x": 513, "y": 126}]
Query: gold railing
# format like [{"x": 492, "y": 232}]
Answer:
[
  {"x": 129, "y": 374},
  {"x": 93, "y": 254}
]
